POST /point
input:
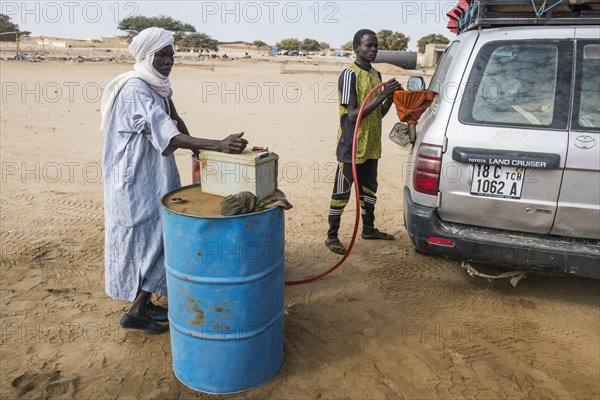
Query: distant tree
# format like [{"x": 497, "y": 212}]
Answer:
[
  {"x": 199, "y": 41},
  {"x": 324, "y": 46},
  {"x": 310, "y": 45},
  {"x": 289, "y": 44},
  {"x": 432, "y": 38},
  {"x": 7, "y": 26},
  {"x": 134, "y": 25},
  {"x": 259, "y": 44},
  {"x": 348, "y": 46},
  {"x": 389, "y": 40}
]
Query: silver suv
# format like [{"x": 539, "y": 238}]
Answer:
[{"x": 506, "y": 164}]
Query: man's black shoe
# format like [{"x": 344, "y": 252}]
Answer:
[
  {"x": 129, "y": 322},
  {"x": 157, "y": 313}
]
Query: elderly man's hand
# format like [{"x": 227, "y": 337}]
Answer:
[{"x": 233, "y": 144}]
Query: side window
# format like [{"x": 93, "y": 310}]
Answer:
[
  {"x": 586, "y": 107},
  {"x": 519, "y": 84},
  {"x": 442, "y": 70}
]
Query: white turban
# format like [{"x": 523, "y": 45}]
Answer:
[
  {"x": 143, "y": 47},
  {"x": 149, "y": 41}
]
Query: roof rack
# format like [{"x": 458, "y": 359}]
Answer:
[{"x": 496, "y": 13}]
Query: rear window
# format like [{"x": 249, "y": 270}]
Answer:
[
  {"x": 519, "y": 84},
  {"x": 586, "y": 110}
]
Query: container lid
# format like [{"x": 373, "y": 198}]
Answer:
[{"x": 246, "y": 157}]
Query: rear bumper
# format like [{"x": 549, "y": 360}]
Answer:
[{"x": 541, "y": 253}]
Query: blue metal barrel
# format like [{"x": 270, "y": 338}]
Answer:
[{"x": 225, "y": 277}]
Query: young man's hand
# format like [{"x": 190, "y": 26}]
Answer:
[{"x": 390, "y": 87}]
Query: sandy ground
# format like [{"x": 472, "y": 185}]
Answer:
[{"x": 389, "y": 324}]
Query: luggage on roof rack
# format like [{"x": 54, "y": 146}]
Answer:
[{"x": 474, "y": 14}]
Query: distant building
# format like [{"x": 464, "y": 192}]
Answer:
[{"x": 433, "y": 54}]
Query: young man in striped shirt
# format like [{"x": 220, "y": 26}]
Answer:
[{"x": 354, "y": 83}]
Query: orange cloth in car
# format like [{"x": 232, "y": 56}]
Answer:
[{"x": 411, "y": 104}]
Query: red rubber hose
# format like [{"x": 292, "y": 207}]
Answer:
[{"x": 356, "y": 192}]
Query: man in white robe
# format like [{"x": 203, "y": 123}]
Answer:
[{"x": 142, "y": 131}]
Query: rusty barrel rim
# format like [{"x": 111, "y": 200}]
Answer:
[{"x": 164, "y": 198}]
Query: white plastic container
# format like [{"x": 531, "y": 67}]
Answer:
[{"x": 226, "y": 174}]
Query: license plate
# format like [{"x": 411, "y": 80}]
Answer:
[{"x": 497, "y": 181}]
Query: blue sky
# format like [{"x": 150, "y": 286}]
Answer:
[{"x": 333, "y": 22}]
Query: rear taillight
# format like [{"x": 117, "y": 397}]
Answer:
[{"x": 428, "y": 165}]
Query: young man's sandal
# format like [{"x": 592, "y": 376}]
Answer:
[
  {"x": 375, "y": 234},
  {"x": 336, "y": 246}
]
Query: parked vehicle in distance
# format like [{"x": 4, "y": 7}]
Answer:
[{"x": 506, "y": 162}]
